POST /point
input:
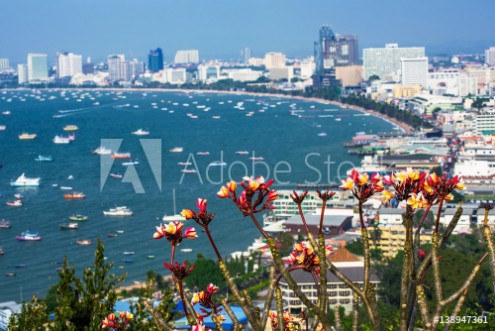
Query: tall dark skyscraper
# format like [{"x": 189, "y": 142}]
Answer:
[
  {"x": 155, "y": 60},
  {"x": 333, "y": 50}
]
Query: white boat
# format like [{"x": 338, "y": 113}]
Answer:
[
  {"x": 242, "y": 152},
  {"x": 175, "y": 217},
  {"x": 203, "y": 153},
  {"x": 130, "y": 163},
  {"x": 189, "y": 171},
  {"x": 218, "y": 164},
  {"x": 141, "y": 132},
  {"x": 102, "y": 151},
  {"x": 2, "y": 127},
  {"x": 186, "y": 250},
  {"x": 177, "y": 150},
  {"x": 118, "y": 211},
  {"x": 61, "y": 140},
  {"x": 25, "y": 181}
]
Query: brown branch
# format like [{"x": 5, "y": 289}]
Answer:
[
  {"x": 355, "y": 312},
  {"x": 280, "y": 309},
  {"x": 407, "y": 267},
  {"x": 436, "y": 267},
  {"x": 487, "y": 234},
  {"x": 269, "y": 297},
  {"x": 237, "y": 326},
  {"x": 159, "y": 322}
]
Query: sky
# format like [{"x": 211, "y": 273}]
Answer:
[{"x": 221, "y": 28}]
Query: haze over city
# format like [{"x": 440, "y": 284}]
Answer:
[{"x": 220, "y": 29}]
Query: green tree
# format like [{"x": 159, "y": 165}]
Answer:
[
  {"x": 66, "y": 299},
  {"x": 33, "y": 317},
  {"x": 479, "y": 103},
  {"x": 202, "y": 267}
]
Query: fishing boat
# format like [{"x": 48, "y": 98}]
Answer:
[
  {"x": 116, "y": 175},
  {"x": 118, "y": 211},
  {"x": 84, "y": 242},
  {"x": 177, "y": 150},
  {"x": 25, "y": 181},
  {"x": 71, "y": 128},
  {"x": 5, "y": 224},
  {"x": 61, "y": 140},
  {"x": 75, "y": 196},
  {"x": 27, "y": 136},
  {"x": 102, "y": 151},
  {"x": 15, "y": 203},
  {"x": 121, "y": 155},
  {"x": 78, "y": 218},
  {"x": 141, "y": 132},
  {"x": 28, "y": 236},
  {"x": 69, "y": 226},
  {"x": 42, "y": 158}
]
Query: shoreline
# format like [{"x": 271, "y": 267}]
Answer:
[{"x": 403, "y": 126}]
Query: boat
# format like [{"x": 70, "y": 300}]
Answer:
[
  {"x": 184, "y": 164},
  {"x": 78, "y": 218},
  {"x": 66, "y": 188},
  {"x": 71, "y": 128},
  {"x": 25, "y": 181},
  {"x": 69, "y": 226},
  {"x": 203, "y": 153},
  {"x": 256, "y": 158},
  {"x": 218, "y": 164},
  {"x": 322, "y": 134},
  {"x": 5, "y": 224},
  {"x": 84, "y": 242},
  {"x": 150, "y": 257},
  {"x": 28, "y": 236},
  {"x": 120, "y": 231},
  {"x": 186, "y": 250},
  {"x": 75, "y": 196},
  {"x": 18, "y": 196},
  {"x": 15, "y": 203},
  {"x": 27, "y": 136},
  {"x": 175, "y": 217},
  {"x": 130, "y": 163},
  {"x": 128, "y": 261},
  {"x": 177, "y": 150},
  {"x": 72, "y": 137},
  {"x": 189, "y": 171},
  {"x": 118, "y": 211},
  {"x": 141, "y": 132},
  {"x": 21, "y": 265},
  {"x": 128, "y": 253},
  {"x": 6, "y": 112},
  {"x": 111, "y": 235},
  {"x": 121, "y": 155},
  {"x": 116, "y": 176},
  {"x": 1, "y": 251},
  {"x": 42, "y": 158},
  {"x": 102, "y": 151},
  {"x": 61, "y": 140},
  {"x": 3, "y": 127},
  {"x": 242, "y": 152}
]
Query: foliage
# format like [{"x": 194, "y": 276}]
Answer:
[
  {"x": 33, "y": 316},
  {"x": 204, "y": 266}
]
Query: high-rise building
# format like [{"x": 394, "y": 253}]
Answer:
[
  {"x": 136, "y": 68},
  {"x": 37, "y": 67},
  {"x": 208, "y": 72},
  {"x": 22, "y": 73},
  {"x": 4, "y": 64},
  {"x": 155, "y": 60},
  {"x": 490, "y": 56},
  {"x": 274, "y": 60},
  {"x": 385, "y": 62},
  {"x": 332, "y": 50},
  {"x": 118, "y": 68},
  {"x": 414, "y": 71},
  {"x": 88, "y": 67},
  {"x": 190, "y": 56},
  {"x": 246, "y": 54},
  {"x": 68, "y": 64}
]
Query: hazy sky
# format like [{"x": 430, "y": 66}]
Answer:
[{"x": 221, "y": 28}]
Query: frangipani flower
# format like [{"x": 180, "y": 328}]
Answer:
[
  {"x": 203, "y": 218},
  {"x": 304, "y": 255},
  {"x": 117, "y": 323},
  {"x": 173, "y": 232},
  {"x": 179, "y": 270},
  {"x": 204, "y": 299},
  {"x": 438, "y": 188},
  {"x": 405, "y": 183},
  {"x": 417, "y": 201},
  {"x": 361, "y": 186}
]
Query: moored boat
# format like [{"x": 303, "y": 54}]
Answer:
[
  {"x": 205, "y": 153},
  {"x": 141, "y": 132},
  {"x": 25, "y": 181},
  {"x": 5, "y": 224},
  {"x": 177, "y": 150},
  {"x": 128, "y": 253},
  {"x": 130, "y": 163},
  {"x": 121, "y": 155},
  {"x": 84, "y": 242},
  {"x": 75, "y": 196},
  {"x": 78, "y": 218},
  {"x": 61, "y": 140},
  {"x": 42, "y": 158},
  {"x": 15, "y": 203},
  {"x": 242, "y": 152},
  {"x": 116, "y": 175},
  {"x": 69, "y": 226},
  {"x": 102, "y": 151},
  {"x": 118, "y": 211},
  {"x": 28, "y": 236},
  {"x": 27, "y": 136},
  {"x": 189, "y": 171},
  {"x": 71, "y": 128}
]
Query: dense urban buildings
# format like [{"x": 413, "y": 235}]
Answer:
[
  {"x": 4, "y": 64},
  {"x": 155, "y": 60}
]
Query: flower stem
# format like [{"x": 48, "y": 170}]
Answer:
[
  {"x": 255, "y": 221},
  {"x": 217, "y": 253}
]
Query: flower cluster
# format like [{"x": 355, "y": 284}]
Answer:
[
  {"x": 361, "y": 186},
  {"x": 255, "y": 198},
  {"x": 117, "y": 323},
  {"x": 404, "y": 183},
  {"x": 325, "y": 195},
  {"x": 204, "y": 299},
  {"x": 298, "y": 199},
  {"x": 179, "y": 270},
  {"x": 173, "y": 232},
  {"x": 203, "y": 217},
  {"x": 441, "y": 187},
  {"x": 199, "y": 327},
  {"x": 304, "y": 255},
  {"x": 288, "y": 320}
]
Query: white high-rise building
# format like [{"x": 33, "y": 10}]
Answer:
[
  {"x": 490, "y": 56},
  {"x": 69, "y": 64},
  {"x": 37, "y": 67},
  {"x": 136, "y": 68},
  {"x": 385, "y": 62},
  {"x": 4, "y": 64},
  {"x": 414, "y": 71},
  {"x": 484, "y": 122},
  {"x": 208, "y": 72},
  {"x": 22, "y": 73},
  {"x": 274, "y": 60},
  {"x": 118, "y": 68},
  {"x": 186, "y": 56}
]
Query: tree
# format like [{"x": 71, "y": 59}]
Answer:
[
  {"x": 479, "y": 103},
  {"x": 373, "y": 78},
  {"x": 33, "y": 317}
]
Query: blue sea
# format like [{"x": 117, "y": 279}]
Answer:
[{"x": 298, "y": 141}]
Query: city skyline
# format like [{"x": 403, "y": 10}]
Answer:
[{"x": 223, "y": 29}]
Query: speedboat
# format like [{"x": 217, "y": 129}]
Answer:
[
  {"x": 61, "y": 140},
  {"x": 256, "y": 158},
  {"x": 25, "y": 181},
  {"x": 128, "y": 253},
  {"x": 78, "y": 218},
  {"x": 102, "y": 151},
  {"x": 121, "y": 155},
  {"x": 3, "y": 127},
  {"x": 141, "y": 132},
  {"x": 71, "y": 128},
  {"x": 118, "y": 211},
  {"x": 83, "y": 242},
  {"x": 75, "y": 196},
  {"x": 203, "y": 153},
  {"x": 28, "y": 236},
  {"x": 177, "y": 150},
  {"x": 42, "y": 158},
  {"x": 15, "y": 203},
  {"x": 242, "y": 152},
  {"x": 218, "y": 164},
  {"x": 189, "y": 171},
  {"x": 27, "y": 136},
  {"x": 4, "y": 224},
  {"x": 184, "y": 164},
  {"x": 130, "y": 163},
  {"x": 69, "y": 226},
  {"x": 116, "y": 176}
]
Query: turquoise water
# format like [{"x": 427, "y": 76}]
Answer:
[{"x": 220, "y": 124}]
